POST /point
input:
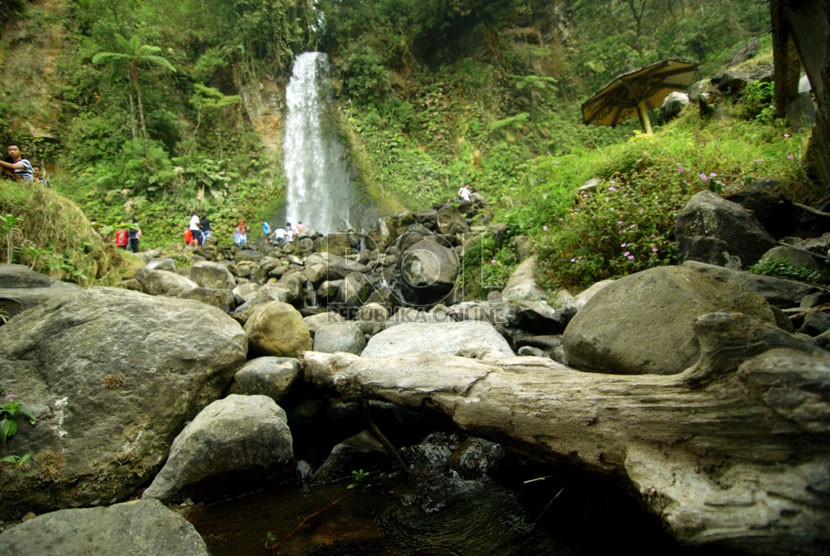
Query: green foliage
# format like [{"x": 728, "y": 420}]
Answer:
[
  {"x": 757, "y": 101},
  {"x": 8, "y": 227},
  {"x": 782, "y": 268},
  {"x": 359, "y": 479},
  {"x": 10, "y": 411},
  {"x": 54, "y": 237},
  {"x": 486, "y": 266},
  {"x": 625, "y": 223}
]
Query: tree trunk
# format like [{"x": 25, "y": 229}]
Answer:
[
  {"x": 732, "y": 452},
  {"x": 137, "y": 86}
]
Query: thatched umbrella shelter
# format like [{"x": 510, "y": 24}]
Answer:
[{"x": 637, "y": 92}]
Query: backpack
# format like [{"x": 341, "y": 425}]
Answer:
[
  {"x": 121, "y": 237},
  {"x": 188, "y": 237}
]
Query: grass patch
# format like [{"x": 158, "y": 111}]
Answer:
[{"x": 51, "y": 235}]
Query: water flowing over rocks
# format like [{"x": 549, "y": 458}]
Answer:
[{"x": 112, "y": 376}]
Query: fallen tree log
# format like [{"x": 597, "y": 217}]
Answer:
[{"x": 732, "y": 452}]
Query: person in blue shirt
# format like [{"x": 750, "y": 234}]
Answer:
[{"x": 266, "y": 229}]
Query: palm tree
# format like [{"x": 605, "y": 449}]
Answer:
[{"x": 133, "y": 53}]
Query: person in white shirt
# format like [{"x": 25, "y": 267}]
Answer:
[
  {"x": 195, "y": 227},
  {"x": 464, "y": 193},
  {"x": 280, "y": 235}
]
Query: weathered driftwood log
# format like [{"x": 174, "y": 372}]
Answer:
[{"x": 734, "y": 451}]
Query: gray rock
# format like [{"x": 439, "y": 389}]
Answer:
[
  {"x": 361, "y": 451},
  {"x": 815, "y": 323},
  {"x": 354, "y": 290},
  {"x": 221, "y": 299},
  {"x": 618, "y": 329},
  {"x": 21, "y": 288},
  {"x": 540, "y": 318},
  {"x": 795, "y": 257},
  {"x": 245, "y": 291},
  {"x": 777, "y": 291},
  {"x": 531, "y": 351},
  {"x": 767, "y": 201},
  {"x": 112, "y": 376},
  {"x": 238, "y": 433},
  {"x": 372, "y": 317},
  {"x": 408, "y": 315},
  {"x": 712, "y": 230},
  {"x": 135, "y": 528},
  {"x": 164, "y": 282},
  {"x": 212, "y": 275},
  {"x": 522, "y": 286},
  {"x": 268, "y": 376},
  {"x": 468, "y": 338},
  {"x": 345, "y": 336},
  {"x": 428, "y": 270},
  {"x": 316, "y": 322},
  {"x": 494, "y": 313},
  {"x": 165, "y": 263},
  {"x": 672, "y": 106}
]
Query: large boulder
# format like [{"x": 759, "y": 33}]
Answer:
[
  {"x": 713, "y": 230},
  {"x": 235, "y": 434},
  {"x": 22, "y": 288},
  {"x": 277, "y": 328},
  {"x": 777, "y": 291},
  {"x": 428, "y": 270},
  {"x": 136, "y": 528},
  {"x": 642, "y": 323},
  {"x": 468, "y": 338},
  {"x": 112, "y": 376}
]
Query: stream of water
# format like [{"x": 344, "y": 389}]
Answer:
[{"x": 517, "y": 509}]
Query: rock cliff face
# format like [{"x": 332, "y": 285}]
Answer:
[{"x": 264, "y": 103}]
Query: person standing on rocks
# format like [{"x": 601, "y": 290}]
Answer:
[
  {"x": 464, "y": 193},
  {"x": 195, "y": 228},
  {"x": 240, "y": 234},
  {"x": 207, "y": 230},
  {"x": 134, "y": 235}
]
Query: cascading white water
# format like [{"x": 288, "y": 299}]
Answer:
[{"x": 320, "y": 193}]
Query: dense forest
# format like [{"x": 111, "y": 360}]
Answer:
[{"x": 153, "y": 109}]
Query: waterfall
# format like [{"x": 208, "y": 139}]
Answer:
[{"x": 320, "y": 192}]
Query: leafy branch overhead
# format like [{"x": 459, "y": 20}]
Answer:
[{"x": 132, "y": 54}]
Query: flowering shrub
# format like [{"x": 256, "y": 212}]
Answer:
[{"x": 624, "y": 225}]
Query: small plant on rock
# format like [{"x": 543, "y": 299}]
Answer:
[{"x": 10, "y": 411}]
